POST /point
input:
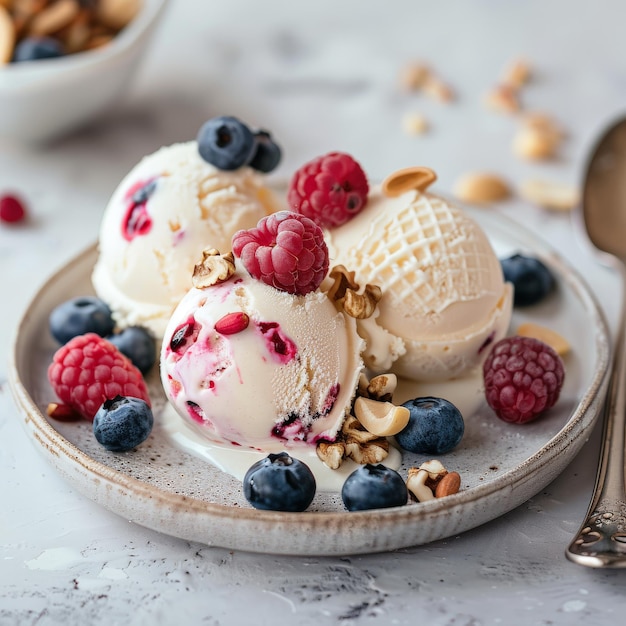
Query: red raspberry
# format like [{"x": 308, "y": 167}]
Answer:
[
  {"x": 11, "y": 209},
  {"x": 88, "y": 370},
  {"x": 330, "y": 190},
  {"x": 523, "y": 378},
  {"x": 286, "y": 250}
]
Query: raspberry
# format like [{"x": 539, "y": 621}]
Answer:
[
  {"x": 523, "y": 378},
  {"x": 330, "y": 190},
  {"x": 286, "y": 251},
  {"x": 88, "y": 370},
  {"x": 11, "y": 209}
]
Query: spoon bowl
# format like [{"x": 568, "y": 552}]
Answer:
[{"x": 601, "y": 540}]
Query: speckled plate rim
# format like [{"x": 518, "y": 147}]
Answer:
[{"x": 322, "y": 533}]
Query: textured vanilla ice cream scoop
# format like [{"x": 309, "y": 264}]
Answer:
[
  {"x": 170, "y": 207},
  {"x": 286, "y": 379},
  {"x": 444, "y": 297}
]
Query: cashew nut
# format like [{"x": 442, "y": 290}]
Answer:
[{"x": 381, "y": 418}]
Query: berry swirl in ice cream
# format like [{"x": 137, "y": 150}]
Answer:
[{"x": 249, "y": 364}]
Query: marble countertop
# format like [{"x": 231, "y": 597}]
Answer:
[{"x": 321, "y": 76}]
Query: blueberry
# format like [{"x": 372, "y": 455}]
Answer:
[
  {"x": 267, "y": 154},
  {"x": 226, "y": 143},
  {"x": 138, "y": 345},
  {"x": 36, "y": 48},
  {"x": 122, "y": 423},
  {"x": 531, "y": 279},
  {"x": 435, "y": 426},
  {"x": 373, "y": 487},
  {"x": 85, "y": 314},
  {"x": 279, "y": 482}
]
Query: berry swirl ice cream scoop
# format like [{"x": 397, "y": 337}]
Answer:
[
  {"x": 257, "y": 355},
  {"x": 173, "y": 204}
]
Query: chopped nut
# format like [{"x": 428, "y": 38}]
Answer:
[
  {"x": 354, "y": 432},
  {"x": 435, "y": 469},
  {"x": 414, "y": 124},
  {"x": 448, "y": 485},
  {"x": 407, "y": 179},
  {"x": 503, "y": 99},
  {"x": 331, "y": 453},
  {"x": 557, "y": 342},
  {"x": 481, "y": 188},
  {"x": 362, "y": 305},
  {"x": 214, "y": 268},
  {"x": 379, "y": 388},
  {"x": 373, "y": 451},
  {"x": 517, "y": 74},
  {"x": 550, "y": 195},
  {"x": 381, "y": 418},
  {"x": 413, "y": 76},
  {"x": 344, "y": 280},
  {"x": 416, "y": 484}
]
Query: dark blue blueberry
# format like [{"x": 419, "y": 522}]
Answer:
[
  {"x": 374, "y": 487},
  {"x": 85, "y": 314},
  {"x": 279, "y": 482},
  {"x": 122, "y": 423},
  {"x": 267, "y": 154},
  {"x": 531, "y": 279},
  {"x": 435, "y": 426},
  {"x": 138, "y": 345},
  {"x": 226, "y": 143},
  {"x": 36, "y": 48},
  {"x": 141, "y": 195}
]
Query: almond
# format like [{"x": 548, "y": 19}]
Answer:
[
  {"x": 407, "y": 179},
  {"x": 481, "y": 188},
  {"x": 54, "y": 17},
  {"x": 117, "y": 13},
  {"x": 448, "y": 485},
  {"x": 7, "y": 36},
  {"x": 62, "y": 412}
]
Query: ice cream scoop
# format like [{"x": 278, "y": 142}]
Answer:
[
  {"x": 248, "y": 365},
  {"x": 172, "y": 205},
  {"x": 444, "y": 299}
]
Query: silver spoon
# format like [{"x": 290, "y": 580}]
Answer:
[{"x": 601, "y": 541}]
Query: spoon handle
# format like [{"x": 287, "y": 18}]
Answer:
[{"x": 601, "y": 540}]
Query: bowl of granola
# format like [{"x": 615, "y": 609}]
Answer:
[{"x": 64, "y": 62}]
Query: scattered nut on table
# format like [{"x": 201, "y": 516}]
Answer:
[{"x": 481, "y": 188}]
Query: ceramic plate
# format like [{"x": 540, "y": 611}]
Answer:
[{"x": 164, "y": 488}]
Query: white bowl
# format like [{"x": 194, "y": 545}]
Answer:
[{"x": 41, "y": 100}]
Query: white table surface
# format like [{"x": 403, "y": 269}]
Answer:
[{"x": 321, "y": 76}]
